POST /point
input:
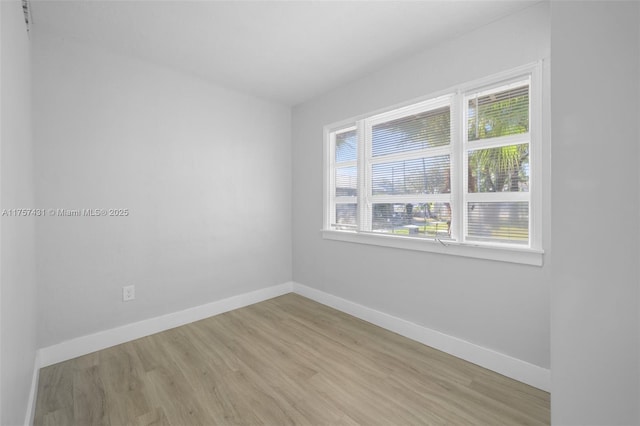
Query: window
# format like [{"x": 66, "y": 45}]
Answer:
[
  {"x": 345, "y": 179},
  {"x": 456, "y": 173},
  {"x": 496, "y": 156}
]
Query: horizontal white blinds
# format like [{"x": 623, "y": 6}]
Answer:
[
  {"x": 346, "y": 145},
  {"x": 417, "y": 220},
  {"x": 498, "y": 222},
  {"x": 344, "y": 212},
  {"x": 498, "y": 113},
  {"x": 346, "y": 181},
  {"x": 346, "y": 216},
  {"x": 497, "y": 191},
  {"x": 455, "y": 167},
  {"x": 427, "y": 129},
  {"x": 409, "y": 179},
  {"x": 414, "y": 176}
]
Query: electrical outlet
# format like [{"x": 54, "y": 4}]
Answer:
[{"x": 128, "y": 293}]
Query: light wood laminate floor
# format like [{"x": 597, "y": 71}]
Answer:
[{"x": 287, "y": 360}]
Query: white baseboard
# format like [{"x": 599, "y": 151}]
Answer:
[
  {"x": 104, "y": 339},
  {"x": 33, "y": 392},
  {"x": 504, "y": 364},
  {"x": 500, "y": 363}
]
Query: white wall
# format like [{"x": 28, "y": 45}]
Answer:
[
  {"x": 17, "y": 259},
  {"x": 205, "y": 172},
  {"x": 116, "y": 132},
  {"x": 503, "y": 307},
  {"x": 595, "y": 73}
]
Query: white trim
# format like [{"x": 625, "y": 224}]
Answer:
[
  {"x": 493, "y": 79},
  {"x": 513, "y": 75},
  {"x": 328, "y": 181},
  {"x": 346, "y": 200},
  {"x": 457, "y": 166},
  {"x": 437, "y": 151},
  {"x": 499, "y": 141},
  {"x": 505, "y": 85},
  {"x": 104, "y": 339},
  {"x": 531, "y": 138},
  {"x": 343, "y": 164},
  {"x": 500, "y": 363},
  {"x": 33, "y": 392},
  {"x": 458, "y": 149},
  {"x": 417, "y": 108},
  {"x": 504, "y": 253},
  {"x": 536, "y": 151},
  {"x": 345, "y": 130},
  {"x": 506, "y": 365},
  {"x": 364, "y": 151}
]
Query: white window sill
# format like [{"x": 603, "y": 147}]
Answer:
[{"x": 524, "y": 256}]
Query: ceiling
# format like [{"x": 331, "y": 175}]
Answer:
[{"x": 286, "y": 51}]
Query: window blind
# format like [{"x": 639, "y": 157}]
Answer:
[
  {"x": 497, "y": 191},
  {"x": 457, "y": 167}
]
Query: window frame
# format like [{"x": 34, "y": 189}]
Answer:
[
  {"x": 368, "y": 199},
  {"x": 531, "y": 254},
  {"x": 489, "y": 143},
  {"x": 333, "y": 165}
]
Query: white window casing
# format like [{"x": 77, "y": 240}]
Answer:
[{"x": 400, "y": 196}]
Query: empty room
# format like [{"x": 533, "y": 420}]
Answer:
[{"x": 319, "y": 212}]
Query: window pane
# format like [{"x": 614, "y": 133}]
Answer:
[
  {"x": 346, "y": 181},
  {"x": 346, "y": 145},
  {"x": 503, "y": 169},
  {"x": 417, "y": 220},
  {"x": 500, "y": 113},
  {"x": 499, "y": 222},
  {"x": 425, "y": 130},
  {"x": 417, "y": 176},
  {"x": 346, "y": 215}
]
